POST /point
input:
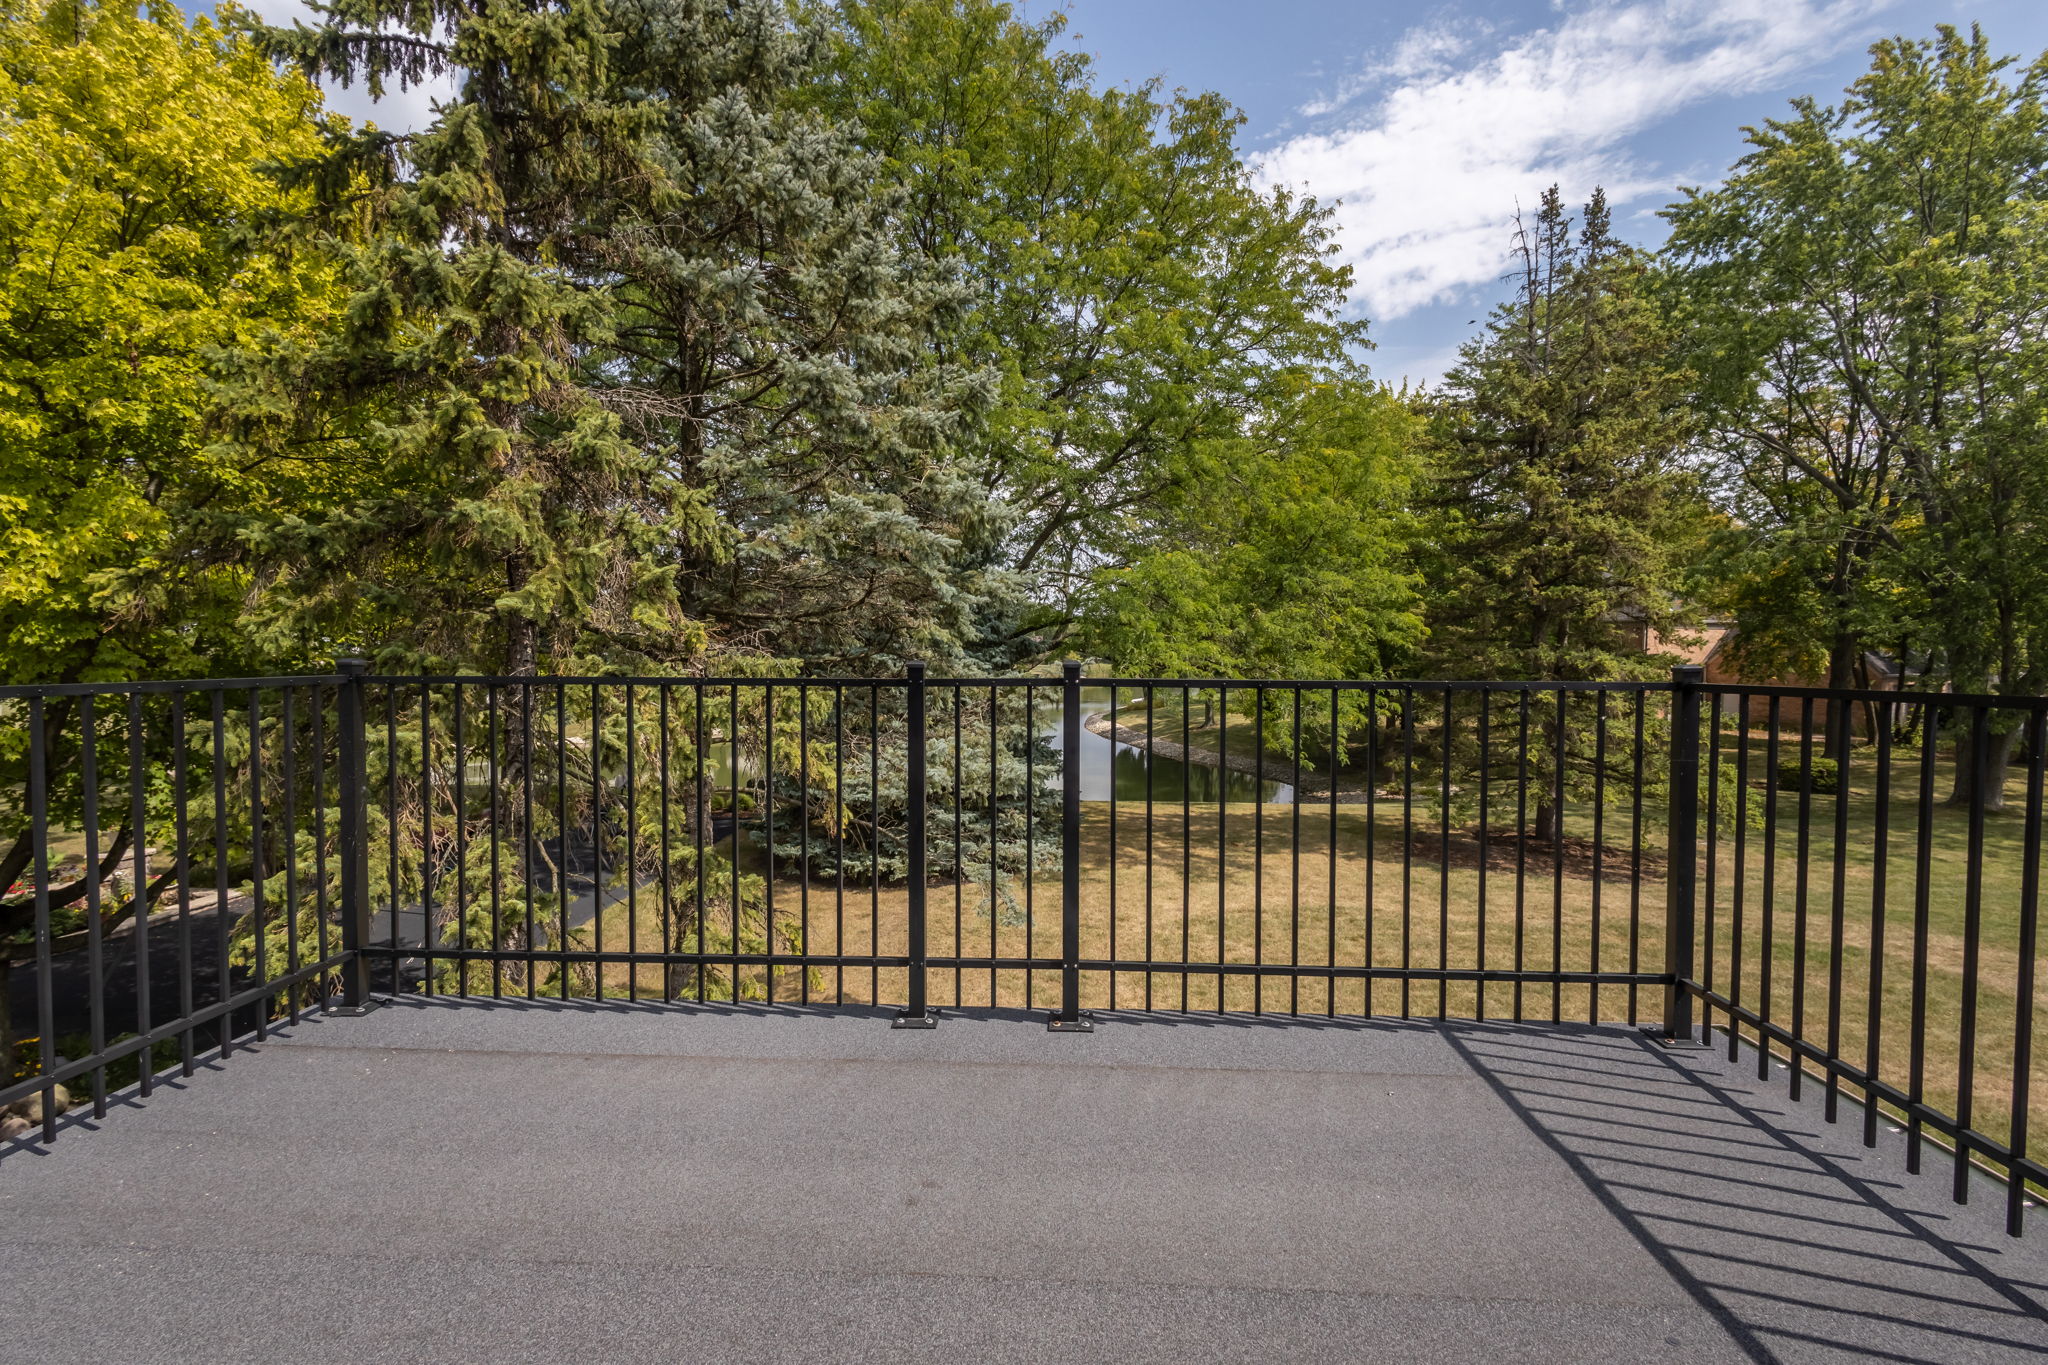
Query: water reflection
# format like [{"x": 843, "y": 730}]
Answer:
[
  {"x": 1106, "y": 766},
  {"x": 1113, "y": 768}
]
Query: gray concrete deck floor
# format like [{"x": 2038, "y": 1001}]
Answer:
[{"x": 507, "y": 1183}]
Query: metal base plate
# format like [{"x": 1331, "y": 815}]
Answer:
[
  {"x": 354, "y": 1011},
  {"x": 1662, "y": 1039},
  {"x": 1085, "y": 1024},
  {"x": 905, "y": 1019}
]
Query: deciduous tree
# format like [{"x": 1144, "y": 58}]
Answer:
[
  {"x": 1139, "y": 294},
  {"x": 134, "y": 191},
  {"x": 1869, "y": 291}
]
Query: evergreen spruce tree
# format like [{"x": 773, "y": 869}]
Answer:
[
  {"x": 631, "y": 369},
  {"x": 1560, "y": 504},
  {"x": 1559, "y": 489},
  {"x": 631, "y": 375}
]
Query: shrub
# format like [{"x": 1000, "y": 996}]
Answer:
[{"x": 1825, "y": 772}]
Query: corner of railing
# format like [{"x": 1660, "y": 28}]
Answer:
[
  {"x": 917, "y": 1013},
  {"x": 1682, "y": 868}
]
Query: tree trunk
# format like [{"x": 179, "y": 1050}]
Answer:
[
  {"x": 2000, "y": 750},
  {"x": 1548, "y": 782},
  {"x": 1866, "y": 682},
  {"x": 1844, "y": 654},
  {"x": 522, "y": 654},
  {"x": 16, "y": 859},
  {"x": 695, "y": 798}
]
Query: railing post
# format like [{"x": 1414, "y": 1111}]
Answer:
[
  {"x": 916, "y": 1015},
  {"x": 1682, "y": 868},
  {"x": 354, "y": 836},
  {"x": 1069, "y": 1018}
]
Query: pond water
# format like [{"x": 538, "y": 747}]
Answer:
[
  {"x": 1107, "y": 766},
  {"x": 1111, "y": 769}
]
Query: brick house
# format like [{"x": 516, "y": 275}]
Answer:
[{"x": 1710, "y": 647}]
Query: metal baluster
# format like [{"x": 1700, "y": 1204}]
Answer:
[
  {"x": 1880, "y": 859},
  {"x": 1768, "y": 958},
  {"x": 217, "y": 705},
  {"x": 138, "y": 820},
  {"x": 1741, "y": 875},
  {"x": 2023, "y": 1016},
  {"x": 1258, "y": 846},
  {"x": 95, "y": 962},
  {"x": 1485, "y": 846},
  {"x": 1973, "y": 922},
  {"x": 1839, "y": 718},
  {"x": 256, "y": 835},
  {"x": 1443, "y": 848},
  {"x": 353, "y": 837},
  {"x": 1330, "y": 948},
  {"x": 1799, "y": 901},
  {"x": 39, "y": 836},
  {"x": 288, "y": 723}
]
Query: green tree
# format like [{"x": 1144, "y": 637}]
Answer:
[
  {"x": 1559, "y": 491},
  {"x": 134, "y": 173},
  {"x": 1560, "y": 502},
  {"x": 1285, "y": 553},
  {"x": 631, "y": 368},
  {"x": 133, "y": 190},
  {"x": 1866, "y": 293},
  {"x": 1140, "y": 297},
  {"x": 633, "y": 374}
]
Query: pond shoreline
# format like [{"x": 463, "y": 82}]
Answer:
[{"x": 1290, "y": 774}]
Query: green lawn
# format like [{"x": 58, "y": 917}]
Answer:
[{"x": 1273, "y": 903}]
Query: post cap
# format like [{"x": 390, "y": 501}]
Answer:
[
  {"x": 1688, "y": 673},
  {"x": 1071, "y": 668},
  {"x": 914, "y": 668},
  {"x": 352, "y": 666}
]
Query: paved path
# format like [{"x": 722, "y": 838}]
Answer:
[{"x": 450, "y": 1183}]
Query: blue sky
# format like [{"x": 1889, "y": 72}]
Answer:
[{"x": 1428, "y": 122}]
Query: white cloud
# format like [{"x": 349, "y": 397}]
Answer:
[
  {"x": 400, "y": 111},
  {"x": 1430, "y": 167},
  {"x": 1426, "y": 51}
]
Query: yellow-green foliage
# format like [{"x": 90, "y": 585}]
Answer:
[{"x": 134, "y": 152}]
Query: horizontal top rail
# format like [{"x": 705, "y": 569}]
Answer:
[
  {"x": 30, "y": 691},
  {"x": 1025, "y": 680},
  {"x": 1861, "y": 694}
]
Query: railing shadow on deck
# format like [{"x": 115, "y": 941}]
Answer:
[{"x": 1780, "y": 1225}]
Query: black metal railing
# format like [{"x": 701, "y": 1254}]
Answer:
[
  {"x": 1929, "y": 806},
  {"x": 1718, "y": 857},
  {"x": 200, "y": 812}
]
